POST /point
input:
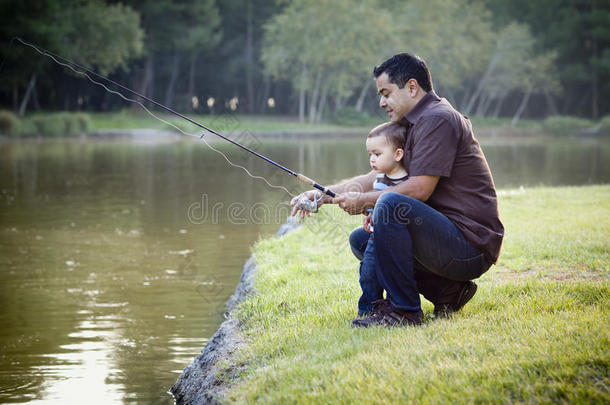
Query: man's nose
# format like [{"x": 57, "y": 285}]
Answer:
[{"x": 382, "y": 102}]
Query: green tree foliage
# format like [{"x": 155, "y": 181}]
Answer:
[
  {"x": 183, "y": 25},
  {"x": 489, "y": 57},
  {"x": 72, "y": 28},
  {"x": 323, "y": 51},
  {"x": 579, "y": 32},
  {"x": 242, "y": 73},
  {"x": 175, "y": 30},
  {"x": 92, "y": 24},
  {"x": 535, "y": 74},
  {"x": 455, "y": 37}
]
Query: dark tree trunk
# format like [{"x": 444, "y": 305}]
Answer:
[
  {"x": 26, "y": 96},
  {"x": 262, "y": 105},
  {"x": 302, "y": 105},
  {"x": 302, "y": 95},
  {"x": 321, "y": 104},
  {"x": 191, "y": 86},
  {"x": 362, "y": 96},
  {"x": 550, "y": 104},
  {"x": 15, "y": 98},
  {"x": 35, "y": 99},
  {"x": 594, "y": 87},
  {"x": 145, "y": 87},
  {"x": 482, "y": 83},
  {"x": 169, "y": 94},
  {"x": 522, "y": 106},
  {"x": 313, "y": 102},
  {"x": 339, "y": 102},
  {"x": 249, "y": 58},
  {"x": 498, "y": 108},
  {"x": 482, "y": 105}
]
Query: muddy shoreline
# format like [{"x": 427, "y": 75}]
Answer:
[{"x": 200, "y": 382}]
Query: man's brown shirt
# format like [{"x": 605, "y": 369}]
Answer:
[{"x": 440, "y": 142}]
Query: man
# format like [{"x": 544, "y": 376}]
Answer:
[{"x": 439, "y": 229}]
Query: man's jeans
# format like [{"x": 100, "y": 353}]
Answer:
[{"x": 414, "y": 249}]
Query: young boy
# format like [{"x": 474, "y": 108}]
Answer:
[{"x": 385, "y": 145}]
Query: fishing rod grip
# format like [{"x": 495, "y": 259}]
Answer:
[{"x": 312, "y": 183}]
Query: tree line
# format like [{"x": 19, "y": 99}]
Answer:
[{"x": 309, "y": 58}]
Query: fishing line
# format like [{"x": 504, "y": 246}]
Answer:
[
  {"x": 49, "y": 55},
  {"x": 86, "y": 72}
]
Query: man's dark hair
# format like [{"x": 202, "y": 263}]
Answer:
[{"x": 404, "y": 66}]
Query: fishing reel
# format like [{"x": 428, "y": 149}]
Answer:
[{"x": 308, "y": 205}]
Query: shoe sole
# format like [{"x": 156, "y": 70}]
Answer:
[{"x": 465, "y": 295}]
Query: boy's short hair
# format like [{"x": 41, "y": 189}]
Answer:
[{"x": 395, "y": 133}]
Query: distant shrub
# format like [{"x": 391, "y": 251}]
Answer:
[
  {"x": 84, "y": 122},
  {"x": 9, "y": 124},
  {"x": 53, "y": 125},
  {"x": 70, "y": 124},
  {"x": 28, "y": 129},
  {"x": 604, "y": 126},
  {"x": 349, "y": 116},
  {"x": 565, "y": 126},
  {"x": 56, "y": 125}
]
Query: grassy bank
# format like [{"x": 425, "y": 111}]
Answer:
[
  {"x": 64, "y": 124},
  {"x": 536, "y": 331}
]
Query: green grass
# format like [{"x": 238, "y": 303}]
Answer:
[
  {"x": 128, "y": 119},
  {"x": 237, "y": 123},
  {"x": 226, "y": 123},
  {"x": 536, "y": 331}
]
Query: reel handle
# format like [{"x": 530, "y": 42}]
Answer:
[{"x": 312, "y": 183}]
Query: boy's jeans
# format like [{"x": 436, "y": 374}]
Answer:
[{"x": 415, "y": 249}]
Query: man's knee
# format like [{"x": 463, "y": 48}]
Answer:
[{"x": 392, "y": 207}]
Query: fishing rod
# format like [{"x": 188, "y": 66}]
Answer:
[{"x": 308, "y": 205}]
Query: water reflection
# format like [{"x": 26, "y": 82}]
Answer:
[{"x": 108, "y": 289}]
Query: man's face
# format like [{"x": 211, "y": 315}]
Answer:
[{"x": 394, "y": 100}]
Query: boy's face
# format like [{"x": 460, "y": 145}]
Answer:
[{"x": 383, "y": 156}]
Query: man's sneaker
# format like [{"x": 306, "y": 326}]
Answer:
[
  {"x": 454, "y": 298},
  {"x": 385, "y": 315}
]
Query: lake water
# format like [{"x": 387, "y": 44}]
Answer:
[{"x": 117, "y": 257}]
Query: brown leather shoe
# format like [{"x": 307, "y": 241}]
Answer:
[
  {"x": 454, "y": 298},
  {"x": 385, "y": 315}
]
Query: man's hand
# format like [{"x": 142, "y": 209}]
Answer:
[
  {"x": 311, "y": 196},
  {"x": 352, "y": 202}
]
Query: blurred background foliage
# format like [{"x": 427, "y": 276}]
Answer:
[{"x": 309, "y": 58}]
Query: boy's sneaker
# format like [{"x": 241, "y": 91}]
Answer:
[
  {"x": 454, "y": 298},
  {"x": 385, "y": 315}
]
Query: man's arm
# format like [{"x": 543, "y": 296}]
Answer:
[{"x": 418, "y": 187}]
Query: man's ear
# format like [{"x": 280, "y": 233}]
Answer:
[
  {"x": 398, "y": 154},
  {"x": 412, "y": 86}
]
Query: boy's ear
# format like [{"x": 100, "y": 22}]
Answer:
[{"x": 398, "y": 154}]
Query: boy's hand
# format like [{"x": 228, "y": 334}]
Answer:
[{"x": 368, "y": 223}]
